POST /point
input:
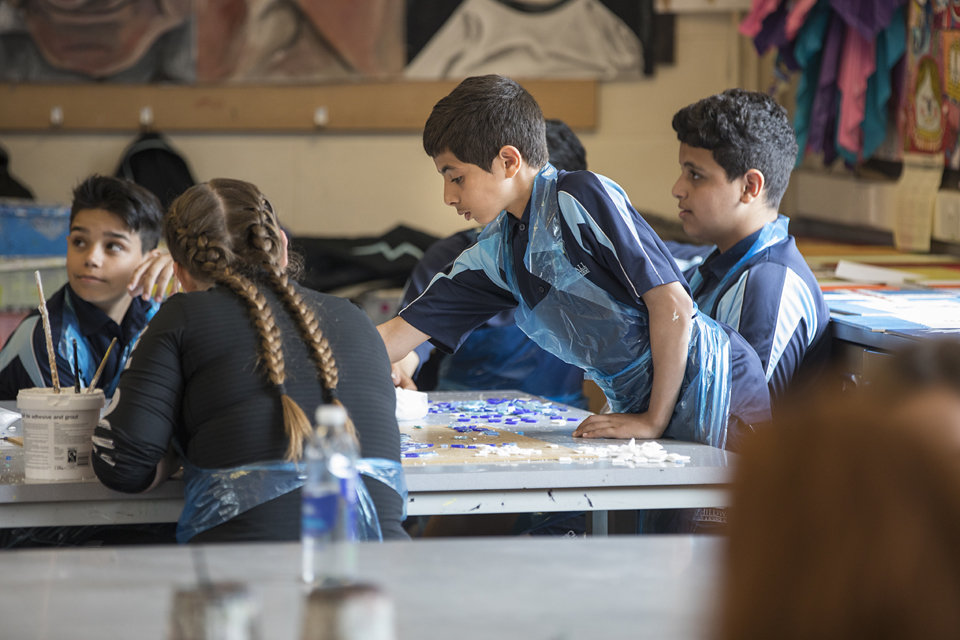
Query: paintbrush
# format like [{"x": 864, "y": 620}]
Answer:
[
  {"x": 103, "y": 363},
  {"x": 15, "y": 440},
  {"x": 76, "y": 368},
  {"x": 45, "y": 317}
]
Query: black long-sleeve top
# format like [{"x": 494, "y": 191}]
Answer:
[{"x": 194, "y": 376}]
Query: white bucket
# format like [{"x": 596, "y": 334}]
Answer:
[{"x": 57, "y": 432}]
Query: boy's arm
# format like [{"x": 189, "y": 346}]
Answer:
[
  {"x": 400, "y": 338},
  {"x": 671, "y": 313}
]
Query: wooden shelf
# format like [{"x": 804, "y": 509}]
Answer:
[{"x": 358, "y": 107}]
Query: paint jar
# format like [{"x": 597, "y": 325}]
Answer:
[
  {"x": 352, "y": 612},
  {"x": 221, "y": 611},
  {"x": 58, "y": 431}
]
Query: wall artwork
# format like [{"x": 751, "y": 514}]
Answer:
[
  {"x": 284, "y": 41},
  {"x": 931, "y": 99}
]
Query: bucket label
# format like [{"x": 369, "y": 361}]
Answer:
[{"x": 57, "y": 444}]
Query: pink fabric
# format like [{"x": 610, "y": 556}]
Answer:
[
  {"x": 857, "y": 64},
  {"x": 797, "y": 16},
  {"x": 759, "y": 9}
]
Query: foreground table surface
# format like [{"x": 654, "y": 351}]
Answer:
[
  {"x": 497, "y": 487},
  {"x": 524, "y": 588}
]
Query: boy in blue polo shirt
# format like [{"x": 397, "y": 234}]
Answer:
[
  {"x": 498, "y": 355},
  {"x": 112, "y": 266},
  {"x": 589, "y": 280},
  {"x": 737, "y": 150}
]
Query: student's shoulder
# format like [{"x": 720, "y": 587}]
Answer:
[
  {"x": 334, "y": 308},
  {"x": 579, "y": 182},
  {"x": 598, "y": 196},
  {"x": 787, "y": 256}
]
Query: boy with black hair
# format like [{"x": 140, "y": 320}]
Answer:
[
  {"x": 589, "y": 279},
  {"x": 737, "y": 150},
  {"x": 497, "y": 354},
  {"x": 112, "y": 267}
]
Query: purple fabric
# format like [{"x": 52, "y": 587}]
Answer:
[
  {"x": 773, "y": 33},
  {"x": 823, "y": 117},
  {"x": 869, "y": 17},
  {"x": 759, "y": 10}
]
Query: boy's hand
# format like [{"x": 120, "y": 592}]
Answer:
[
  {"x": 156, "y": 270},
  {"x": 402, "y": 372},
  {"x": 619, "y": 425}
]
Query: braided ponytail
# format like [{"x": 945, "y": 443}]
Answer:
[
  {"x": 217, "y": 232},
  {"x": 264, "y": 238}
]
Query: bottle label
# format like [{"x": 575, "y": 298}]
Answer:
[{"x": 319, "y": 513}]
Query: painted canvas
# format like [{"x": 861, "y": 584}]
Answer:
[
  {"x": 299, "y": 40},
  {"x": 292, "y": 41},
  {"x": 82, "y": 40},
  {"x": 524, "y": 39}
]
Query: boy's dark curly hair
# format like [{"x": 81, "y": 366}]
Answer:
[
  {"x": 481, "y": 116},
  {"x": 744, "y": 130}
]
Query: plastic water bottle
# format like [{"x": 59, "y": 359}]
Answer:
[{"x": 329, "y": 513}]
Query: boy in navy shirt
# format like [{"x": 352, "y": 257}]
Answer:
[
  {"x": 498, "y": 355},
  {"x": 737, "y": 150},
  {"x": 112, "y": 267},
  {"x": 589, "y": 280}
]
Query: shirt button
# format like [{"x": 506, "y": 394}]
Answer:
[
  {"x": 523, "y": 227},
  {"x": 541, "y": 289}
]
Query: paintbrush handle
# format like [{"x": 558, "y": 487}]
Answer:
[
  {"x": 45, "y": 318},
  {"x": 103, "y": 363}
]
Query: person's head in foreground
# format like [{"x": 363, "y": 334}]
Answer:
[
  {"x": 114, "y": 223},
  {"x": 846, "y": 515},
  {"x": 226, "y": 232},
  {"x": 737, "y": 150},
  {"x": 488, "y": 140}
]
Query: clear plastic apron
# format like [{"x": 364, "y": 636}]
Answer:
[
  {"x": 213, "y": 496},
  {"x": 771, "y": 234},
  {"x": 583, "y": 325},
  {"x": 70, "y": 330}
]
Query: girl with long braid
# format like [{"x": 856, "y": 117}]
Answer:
[{"x": 222, "y": 377}]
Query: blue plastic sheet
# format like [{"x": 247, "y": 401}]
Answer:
[
  {"x": 583, "y": 325},
  {"x": 213, "y": 496}
]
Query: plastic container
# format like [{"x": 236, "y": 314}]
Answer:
[
  {"x": 58, "y": 431},
  {"x": 222, "y": 611},
  {"x": 328, "y": 530},
  {"x": 355, "y": 612},
  {"x": 33, "y": 229}
]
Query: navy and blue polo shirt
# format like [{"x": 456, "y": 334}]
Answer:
[
  {"x": 603, "y": 237},
  {"x": 774, "y": 301},
  {"x": 496, "y": 355},
  {"x": 23, "y": 360}
]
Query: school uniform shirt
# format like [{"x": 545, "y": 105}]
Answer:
[
  {"x": 24, "y": 362},
  {"x": 604, "y": 238},
  {"x": 497, "y": 355},
  {"x": 773, "y": 300}
]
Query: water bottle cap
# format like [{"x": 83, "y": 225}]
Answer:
[{"x": 331, "y": 415}]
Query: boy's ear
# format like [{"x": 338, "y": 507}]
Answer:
[
  {"x": 753, "y": 183},
  {"x": 511, "y": 159}
]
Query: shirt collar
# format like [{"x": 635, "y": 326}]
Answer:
[
  {"x": 94, "y": 321},
  {"x": 719, "y": 263}
]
